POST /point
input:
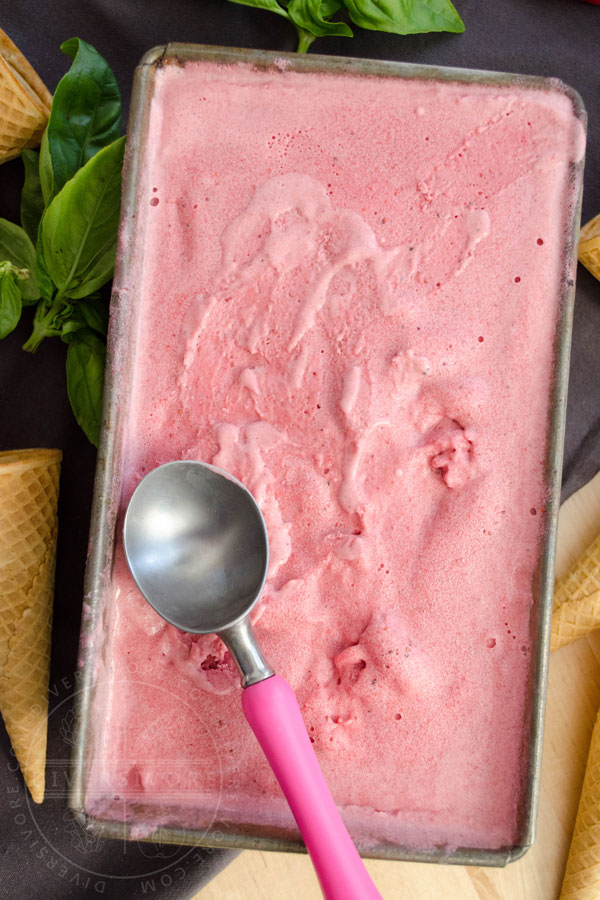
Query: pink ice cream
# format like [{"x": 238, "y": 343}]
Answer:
[{"x": 349, "y": 299}]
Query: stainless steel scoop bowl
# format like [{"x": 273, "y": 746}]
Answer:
[{"x": 197, "y": 547}]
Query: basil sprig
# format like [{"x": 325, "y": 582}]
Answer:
[
  {"x": 86, "y": 112},
  {"x": 313, "y": 18},
  {"x": 65, "y": 250}
]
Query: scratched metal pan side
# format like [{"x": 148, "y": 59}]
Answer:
[
  {"x": 554, "y": 459},
  {"x": 107, "y": 482}
]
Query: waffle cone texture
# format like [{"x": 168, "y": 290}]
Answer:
[
  {"x": 582, "y": 875},
  {"x": 577, "y": 599},
  {"x": 589, "y": 246},
  {"x": 24, "y": 101},
  {"x": 28, "y": 530}
]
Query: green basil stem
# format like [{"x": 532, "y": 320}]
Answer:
[
  {"x": 305, "y": 39},
  {"x": 45, "y": 314}
]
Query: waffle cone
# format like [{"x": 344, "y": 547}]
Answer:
[
  {"x": 28, "y": 529},
  {"x": 575, "y": 619},
  {"x": 24, "y": 101},
  {"x": 582, "y": 875},
  {"x": 577, "y": 599},
  {"x": 589, "y": 246}
]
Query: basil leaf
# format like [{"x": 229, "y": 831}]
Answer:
[
  {"x": 46, "y": 172},
  {"x": 79, "y": 228},
  {"x": 16, "y": 247},
  {"x": 95, "y": 313},
  {"x": 86, "y": 111},
  {"x": 310, "y": 15},
  {"x": 405, "y": 16},
  {"x": 91, "y": 313},
  {"x": 329, "y": 7},
  {"x": 32, "y": 200},
  {"x": 10, "y": 303},
  {"x": 86, "y": 357},
  {"x": 43, "y": 279},
  {"x": 271, "y": 5}
]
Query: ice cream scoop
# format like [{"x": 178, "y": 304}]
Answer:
[{"x": 197, "y": 546}]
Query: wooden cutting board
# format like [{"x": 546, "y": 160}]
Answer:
[{"x": 573, "y": 701}]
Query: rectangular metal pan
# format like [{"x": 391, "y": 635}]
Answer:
[{"x": 110, "y": 458}]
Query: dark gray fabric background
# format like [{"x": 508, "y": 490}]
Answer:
[{"x": 44, "y": 855}]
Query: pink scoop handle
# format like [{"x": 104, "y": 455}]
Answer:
[{"x": 271, "y": 708}]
